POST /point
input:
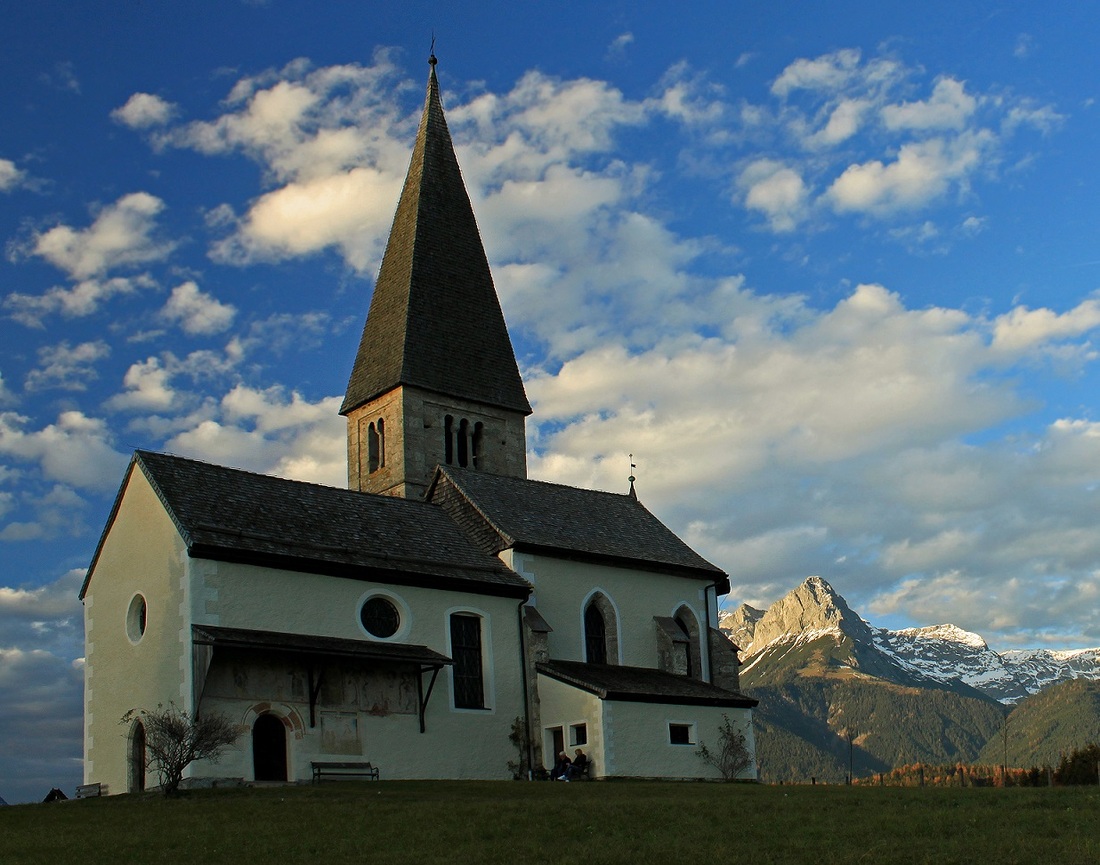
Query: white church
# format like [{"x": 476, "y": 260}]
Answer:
[{"x": 442, "y": 601}]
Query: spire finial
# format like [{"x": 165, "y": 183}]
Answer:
[
  {"x": 431, "y": 53},
  {"x": 633, "y": 494}
]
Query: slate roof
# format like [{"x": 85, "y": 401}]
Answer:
[
  {"x": 642, "y": 685},
  {"x": 306, "y": 644},
  {"x": 435, "y": 320},
  {"x": 232, "y": 515},
  {"x": 588, "y": 524}
]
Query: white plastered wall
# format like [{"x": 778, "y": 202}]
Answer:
[
  {"x": 631, "y": 740},
  {"x": 563, "y": 587},
  {"x": 457, "y": 743},
  {"x": 143, "y": 554}
]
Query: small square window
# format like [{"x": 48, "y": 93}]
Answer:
[
  {"x": 579, "y": 734},
  {"x": 680, "y": 734}
]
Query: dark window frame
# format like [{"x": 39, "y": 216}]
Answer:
[{"x": 468, "y": 672}]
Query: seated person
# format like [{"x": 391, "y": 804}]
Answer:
[
  {"x": 579, "y": 764},
  {"x": 560, "y": 772}
]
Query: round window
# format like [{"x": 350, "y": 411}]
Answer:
[
  {"x": 380, "y": 617},
  {"x": 136, "y": 618}
]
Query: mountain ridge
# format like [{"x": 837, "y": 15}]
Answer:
[{"x": 943, "y": 654}]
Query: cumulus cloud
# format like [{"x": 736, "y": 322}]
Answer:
[
  {"x": 120, "y": 236},
  {"x": 10, "y": 176},
  {"x": 949, "y": 107},
  {"x": 82, "y": 299},
  {"x": 67, "y": 367},
  {"x": 144, "y": 110},
  {"x": 267, "y": 431},
  {"x": 775, "y": 190},
  {"x": 197, "y": 312},
  {"x": 922, "y": 172},
  {"x": 75, "y": 449}
]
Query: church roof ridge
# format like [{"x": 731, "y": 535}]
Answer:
[
  {"x": 435, "y": 320},
  {"x": 232, "y": 514}
]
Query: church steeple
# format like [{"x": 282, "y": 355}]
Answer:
[{"x": 435, "y": 379}]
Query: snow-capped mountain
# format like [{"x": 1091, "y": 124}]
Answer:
[{"x": 941, "y": 653}]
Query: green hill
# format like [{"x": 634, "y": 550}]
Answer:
[{"x": 1048, "y": 724}]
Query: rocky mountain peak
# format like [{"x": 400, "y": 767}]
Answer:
[{"x": 812, "y": 606}]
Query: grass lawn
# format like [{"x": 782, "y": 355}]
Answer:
[{"x": 398, "y": 822}]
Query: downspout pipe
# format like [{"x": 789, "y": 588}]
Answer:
[{"x": 523, "y": 685}]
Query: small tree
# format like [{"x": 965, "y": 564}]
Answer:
[
  {"x": 174, "y": 740},
  {"x": 518, "y": 737},
  {"x": 731, "y": 757}
]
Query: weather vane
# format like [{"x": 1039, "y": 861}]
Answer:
[
  {"x": 632, "y": 478},
  {"x": 431, "y": 52}
]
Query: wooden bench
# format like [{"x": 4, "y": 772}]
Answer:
[
  {"x": 90, "y": 791},
  {"x": 343, "y": 769}
]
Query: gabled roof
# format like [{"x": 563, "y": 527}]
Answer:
[
  {"x": 435, "y": 320},
  {"x": 506, "y": 512},
  {"x": 642, "y": 685},
  {"x": 233, "y": 515}
]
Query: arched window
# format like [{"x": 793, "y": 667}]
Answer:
[
  {"x": 595, "y": 635},
  {"x": 372, "y": 448},
  {"x": 687, "y": 623},
  {"x": 464, "y": 443},
  {"x": 467, "y": 672},
  {"x": 381, "y": 443},
  {"x": 479, "y": 435},
  {"x": 449, "y": 440}
]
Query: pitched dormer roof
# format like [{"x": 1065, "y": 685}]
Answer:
[
  {"x": 535, "y": 516},
  {"x": 434, "y": 320}
]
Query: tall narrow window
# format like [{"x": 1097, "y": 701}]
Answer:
[
  {"x": 479, "y": 434},
  {"x": 464, "y": 443},
  {"x": 381, "y": 443},
  {"x": 469, "y": 683},
  {"x": 449, "y": 440},
  {"x": 687, "y": 633},
  {"x": 595, "y": 636},
  {"x": 372, "y": 448}
]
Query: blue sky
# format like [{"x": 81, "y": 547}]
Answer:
[{"x": 829, "y": 272}]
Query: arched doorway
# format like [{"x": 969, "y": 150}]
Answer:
[
  {"x": 269, "y": 748},
  {"x": 137, "y": 758}
]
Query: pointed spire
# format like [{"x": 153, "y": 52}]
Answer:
[{"x": 435, "y": 321}]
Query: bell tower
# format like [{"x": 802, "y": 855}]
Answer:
[{"x": 435, "y": 379}]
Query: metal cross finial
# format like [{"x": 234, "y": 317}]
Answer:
[{"x": 431, "y": 52}]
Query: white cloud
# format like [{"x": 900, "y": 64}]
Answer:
[
  {"x": 949, "y": 107},
  {"x": 67, "y": 367},
  {"x": 775, "y": 190},
  {"x": 120, "y": 236},
  {"x": 1023, "y": 328},
  {"x": 83, "y": 299},
  {"x": 267, "y": 432},
  {"x": 197, "y": 312},
  {"x": 76, "y": 449},
  {"x": 144, "y": 110},
  {"x": 351, "y": 211},
  {"x": 829, "y": 72},
  {"x": 10, "y": 176},
  {"x": 147, "y": 388},
  {"x": 922, "y": 172}
]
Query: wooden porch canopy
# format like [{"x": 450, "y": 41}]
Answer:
[{"x": 206, "y": 639}]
